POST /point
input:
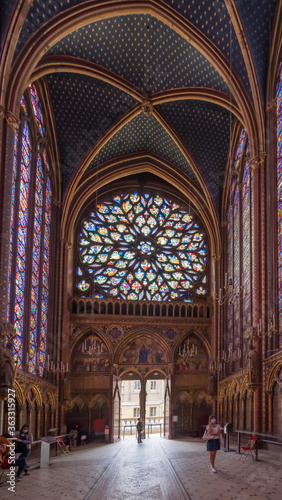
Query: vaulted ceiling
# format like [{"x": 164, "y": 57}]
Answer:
[{"x": 168, "y": 79}]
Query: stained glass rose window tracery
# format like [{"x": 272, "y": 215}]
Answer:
[{"x": 142, "y": 246}]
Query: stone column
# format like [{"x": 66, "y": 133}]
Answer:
[
  {"x": 269, "y": 395},
  {"x": 142, "y": 396},
  {"x": 191, "y": 417},
  {"x": 52, "y": 419},
  {"x": 38, "y": 422},
  {"x": 253, "y": 410},
  {"x": 9, "y": 125},
  {"x": 244, "y": 411},
  {"x": 20, "y": 416},
  {"x": 29, "y": 415},
  {"x": 89, "y": 421},
  {"x": 258, "y": 274},
  {"x": 237, "y": 411},
  {"x": 216, "y": 347},
  {"x": 1, "y": 416},
  {"x": 219, "y": 412}
]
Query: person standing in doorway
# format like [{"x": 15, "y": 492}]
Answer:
[
  {"x": 139, "y": 428},
  {"x": 213, "y": 443}
]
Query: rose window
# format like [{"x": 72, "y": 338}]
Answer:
[{"x": 141, "y": 247}]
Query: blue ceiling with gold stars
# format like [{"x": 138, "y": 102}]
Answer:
[
  {"x": 140, "y": 54},
  {"x": 6, "y": 9},
  {"x": 194, "y": 119},
  {"x": 84, "y": 108},
  {"x": 213, "y": 20},
  {"x": 257, "y": 20},
  {"x": 39, "y": 13},
  {"x": 144, "y": 134},
  {"x": 144, "y": 51}
]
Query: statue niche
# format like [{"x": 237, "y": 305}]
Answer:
[{"x": 7, "y": 364}]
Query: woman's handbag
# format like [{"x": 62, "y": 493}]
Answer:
[{"x": 207, "y": 436}]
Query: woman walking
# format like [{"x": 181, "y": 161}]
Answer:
[{"x": 213, "y": 443}]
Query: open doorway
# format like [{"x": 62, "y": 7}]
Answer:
[{"x": 151, "y": 409}]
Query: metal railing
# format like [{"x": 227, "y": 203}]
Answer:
[
  {"x": 130, "y": 426},
  {"x": 149, "y": 427},
  {"x": 154, "y": 425}
]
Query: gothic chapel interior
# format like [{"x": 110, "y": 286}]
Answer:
[{"x": 140, "y": 211}]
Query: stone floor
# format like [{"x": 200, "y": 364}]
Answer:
[{"x": 157, "y": 469}]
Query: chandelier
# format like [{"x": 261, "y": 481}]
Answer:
[
  {"x": 230, "y": 294},
  {"x": 215, "y": 366},
  {"x": 233, "y": 355},
  {"x": 259, "y": 332},
  {"x": 271, "y": 329},
  {"x": 92, "y": 346},
  {"x": 188, "y": 351},
  {"x": 49, "y": 365},
  {"x": 56, "y": 367}
]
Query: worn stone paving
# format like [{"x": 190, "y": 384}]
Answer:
[{"x": 158, "y": 469}]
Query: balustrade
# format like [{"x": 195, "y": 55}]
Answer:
[{"x": 80, "y": 305}]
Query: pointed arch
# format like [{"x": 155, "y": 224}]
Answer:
[{"x": 63, "y": 23}]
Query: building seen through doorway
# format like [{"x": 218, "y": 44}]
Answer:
[{"x": 130, "y": 404}]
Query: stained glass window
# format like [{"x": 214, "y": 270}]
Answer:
[
  {"x": 236, "y": 270},
  {"x": 23, "y": 105},
  {"x": 28, "y": 287},
  {"x": 279, "y": 196},
  {"x": 36, "y": 106},
  {"x": 142, "y": 246},
  {"x": 229, "y": 273},
  {"x": 45, "y": 277},
  {"x": 234, "y": 251},
  {"x": 12, "y": 224},
  {"x": 246, "y": 207},
  {"x": 239, "y": 150},
  {"x": 36, "y": 254},
  {"x": 20, "y": 272}
]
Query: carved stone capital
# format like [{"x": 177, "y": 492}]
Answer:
[
  {"x": 216, "y": 257},
  {"x": 67, "y": 244},
  {"x": 12, "y": 121},
  {"x": 253, "y": 386},
  {"x": 8, "y": 330},
  {"x": 114, "y": 369},
  {"x": 170, "y": 368},
  {"x": 257, "y": 161},
  {"x": 271, "y": 106},
  {"x": 57, "y": 203}
]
